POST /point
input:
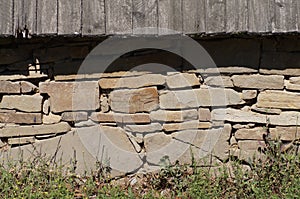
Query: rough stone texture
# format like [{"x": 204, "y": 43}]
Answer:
[
  {"x": 220, "y": 81},
  {"x": 21, "y": 140},
  {"x": 230, "y": 70},
  {"x": 26, "y": 103},
  {"x": 74, "y": 116},
  {"x": 289, "y": 118},
  {"x": 199, "y": 97},
  {"x": 104, "y": 104},
  {"x": 285, "y": 133},
  {"x": 20, "y": 118},
  {"x": 242, "y": 126},
  {"x": 182, "y": 80},
  {"x": 258, "y": 81},
  {"x": 70, "y": 96},
  {"x": 133, "y": 101},
  {"x": 250, "y": 134},
  {"x": 51, "y": 119},
  {"x": 154, "y": 142},
  {"x": 249, "y": 94},
  {"x": 132, "y": 82},
  {"x": 9, "y": 87},
  {"x": 278, "y": 99},
  {"x": 139, "y": 118},
  {"x": 35, "y": 130},
  {"x": 247, "y": 145},
  {"x": 269, "y": 111},
  {"x": 292, "y": 87},
  {"x": 174, "y": 116},
  {"x": 46, "y": 107},
  {"x": 186, "y": 125},
  {"x": 294, "y": 80},
  {"x": 149, "y": 128},
  {"x": 235, "y": 115},
  {"x": 27, "y": 87},
  {"x": 204, "y": 114}
]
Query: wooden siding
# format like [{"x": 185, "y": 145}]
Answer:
[{"x": 110, "y": 17}]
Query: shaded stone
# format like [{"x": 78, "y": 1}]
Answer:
[
  {"x": 51, "y": 119},
  {"x": 174, "y": 116},
  {"x": 169, "y": 127},
  {"x": 294, "y": 80},
  {"x": 74, "y": 116},
  {"x": 204, "y": 114},
  {"x": 199, "y": 97},
  {"x": 293, "y": 87},
  {"x": 21, "y": 140},
  {"x": 182, "y": 80},
  {"x": 86, "y": 123},
  {"x": 220, "y": 81},
  {"x": 27, "y": 87},
  {"x": 266, "y": 110},
  {"x": 278, "y": 99},
  {"x": 288, "y": 118},
  {"x": 250, "y": 134},
  {"x": 243, "y": 126},
  {"x": 230, "y": 70},
  {"x": 252, "y": 145},
  {"x": 149, "y": 128},
  {"x": 285, "y": 133},
  {"x": 249, "y": 94},
  {"x": 35, "y": 130},
  {"x": 132, "y": 82},
  {"x": 21, "y": 77},
  {"x": 46, "y": 107},
  {"x": 258, "y": 81},
  {"x": 154, "y": 142},
  {"x": 72, "y": 96},
  {"x": 139, "y": 118},
  {"x": 26, "y": 103},
  {"x": 104, "y": 104},
  {"x": 235, "y": 115},
  {"x": 20, "y": 118},
  {"x": 133, "y": 101},
  {"x": 9, "y": 87},
  {"x": 136, "y": 146}
]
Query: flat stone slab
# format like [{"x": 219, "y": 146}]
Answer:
[
  {"x": 26, "y": 103},
  {"x": 174, "y": 116},
  {"x": 182, "y": 80},
  {"x": 20, "y": 118},
  {"x": 258, "y": 81},
  {"x": 138, "y": 118}
]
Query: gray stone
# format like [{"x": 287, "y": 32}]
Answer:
[
  {"x": 220, "y": 81},
  {"x": 204, "y": 114},
  {"x": 74, "y": 116},
  {"x": 149, "y": 128},
  {"x": 26, "y": 103},
  {"x": 72, "y": 96},
  {"x": 86, "y": 123},
  {"x": 247, "y": 145},
  {"x": 20, "y": 140},
  {"x": 288, "y": 118},
  {"x": 199, "y": 97},
  {"x": 182, "y": 80},
  {"x": 258, "y": 81},
  {"x": 169, "y": 127},
  {"x": 35, "y": 130},
  {"x": 27, "y": 87},
  {"x": 132, "y": 82},
  {"x": 250, "y": 134},
  {"x": 278, "y": 99},
  {"x": 9, "y": 87},
  {"x": 154, "y": 142},
  {"x": 235, "y": 115},
  {"x": 133, "y": 101},
  {"x": 20, "y": 118},
  {"x": 249, "y": 94},
  {"x": 285, "y": 133},
  {"x": 174, "y": 116}
]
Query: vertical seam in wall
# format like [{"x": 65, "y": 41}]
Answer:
[
  {"x": 157, "y": 19},
  {"x": 225, "y": 15},
  {"x": 57, "y": 17},
  {"x": 81, "y": 17},
  {"x": 205, "y": 16},
  {"x": 36, "y": 16},
  {"x": 181, "y": 4},
  {"x": 248, "y": 15},
  {"x": 131, "y": 16},
  {"x": 13, "y": 18},
  {"x": 104, "y": 12}
]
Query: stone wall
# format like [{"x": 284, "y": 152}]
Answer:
[{"x": 133, "y": 120}]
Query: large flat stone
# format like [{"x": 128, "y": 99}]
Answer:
[
  {"x": 149, "y": 128},
  {"x": 154, "y": 142},
  {"x": 20, "y": 118},
  {"x": 182, "y": 80},
  {"x": 250, "y": 134},
  {"x": 132, "y": 82},
  {"x": 278, "y": 99},
  {"x": 285, "y": 133},
  {"x": 169, "y": 127},
  {"x": 251, "y": 145},
  {"x": 199, "y": 97},
  {"x": 288, "y": 118},
  {"x": 35, "y": 130},
  {"x": 138, "y": 118},
  {"x": 74, "y": 116},
  {"x": 26, "y": 103},
  {"x": 258, "y": 81},
  {"x": 9, "y": 87},
  {"x": 72, "y": 96},
  {"x": 21, "y": 140},
  {"x": 133, "y": 101},
  {"x": 235, "y": 115},
  {"x": 174, "y": 116},
  {"x": 220, "y": 81}
]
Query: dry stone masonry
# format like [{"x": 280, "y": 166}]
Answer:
[{"x": 206, "y": 113}]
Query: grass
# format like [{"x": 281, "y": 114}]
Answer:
[{"x": 277, "y": 176}]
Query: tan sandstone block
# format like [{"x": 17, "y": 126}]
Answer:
[
  {"x": 258, "y": 81},
  {"x": 26, "y": 103}
]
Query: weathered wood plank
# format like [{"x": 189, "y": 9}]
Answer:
[
  {"x": 25, "y": 15},
  {"x": 6, "y": 21},
  {"x": 193, "y": 16},
  {"x": 118, "y": 16},
  {"x": 215, "y": 16},
  {"x": 69, "y": 17},
  {"x": 145, "y": 16},
  {"x": 93, "y": 17},
  {"x": 236, "y": 16},
  {"x": 47, "y": 17},
  {"x": 260, "y": 15},
  {"x": 285, "y": 15},
  {"x": 170, "y": 16}
]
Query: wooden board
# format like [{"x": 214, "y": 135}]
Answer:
[
  {"x": 6, "y": 21},
  {"x": 69, "y": 17},
  {"x": 25, "y": 15},
  {"x": 93, "y": 17},
  {"x": 145, "y": 16},
  {"x": 194, "y": 16},
  {"x": 260, "y": 15},
  {"x": 47, "y": 17},
  {"x": 118, "y": 16},
  {"x": 285, "y": 15},
  {"x": 236, "y": 15},
  {"x": 170, "y": 16},
  {"x": 215, "y": 16}
]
